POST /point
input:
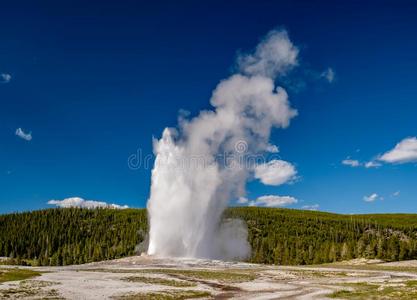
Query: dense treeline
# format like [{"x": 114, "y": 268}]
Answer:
[
  {"x": 71, "y": 235},
  {"x": 287, "y": 237},
  {"x": 277, "y": 236}
]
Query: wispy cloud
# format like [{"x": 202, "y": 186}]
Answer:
[
  {"x": 5, "y": 77},
  {"x": 272, "y": 148},
  {"x": 354, "y": 163},
  {"x": 371, "y": 198},
  {"x": 396, "y": 194},
  {"x": 404, "y": 152},
  {"x": 81, "y": 203},
  {"x": 328, "y": 74},
  {"x": 351, "y": 162},
  {"x": 243, "y": 200},
  {"x": 26, "y": 136},
  {"x": 275, "y": 172},
  {"x": 310, "y": 207},
  {"x": 268, "y": 201},
  {"x": 372, "y": 164},
  {"x": 273, "y": 201},
  {"x": 303, "y": 78}
]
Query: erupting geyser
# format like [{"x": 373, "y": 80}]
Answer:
[{"x": 201, "y": 165}]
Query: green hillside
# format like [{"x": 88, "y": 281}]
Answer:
[{"x": 277, "y": 236}]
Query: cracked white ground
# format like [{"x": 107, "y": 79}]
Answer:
[{"x": 142, "y": 277}]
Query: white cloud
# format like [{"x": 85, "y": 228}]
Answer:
[
  {"x": 26, "y": 136},
  {"x": 405, "y": 151},
  {"x": 372, "y": 164},
  {"x": 242, "y": 200},
  {"x": 275, "y": 172},
  {"x": 275, "y": 55},
  {"x": 371, "y": 198},
  {"x": 81, "y": 203},
  {"x": 351, "y": 162},
  {"x": 311, "y": 207},
  {"x": 328, "y": 74},
  {"x": 273, "y": 201},
  {"x": 356, "y": 163},
  {"x": 272, "y": 148},
  {"x": 5, "y": 78},
  {"x": 396, "y": 194}
]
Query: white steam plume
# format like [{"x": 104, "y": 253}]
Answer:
[{"x": 191, "y": 186}]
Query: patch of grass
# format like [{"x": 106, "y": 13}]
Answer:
[
  {"x": 167, "y": 295},
  {"x": 17, "y": 293},
  {"x": 222, "y": 275},
  {"x": 31, "y": 289},
  {"x": 317, "y": 274},
  {"x": 342, "y": 294},
  {"x": 160, "y": 281},
  {"x": 19, "y": 262},
  {"x": 16, "y": 274},
  {"x": 233, "y": 276},
  {"x": 357, "y": 291},
  {"x": 411, "y": 283},
  {"x": 370, "y": 267}
]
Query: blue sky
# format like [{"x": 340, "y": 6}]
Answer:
[{"x": 94, "y": 81}]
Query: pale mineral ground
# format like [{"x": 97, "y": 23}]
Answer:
[{"x": 144, "y": 277}]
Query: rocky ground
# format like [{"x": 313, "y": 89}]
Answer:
[{"x": 144, "y": 277}]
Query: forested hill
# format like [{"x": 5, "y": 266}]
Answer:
[{"x": 278, "y": 236}]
